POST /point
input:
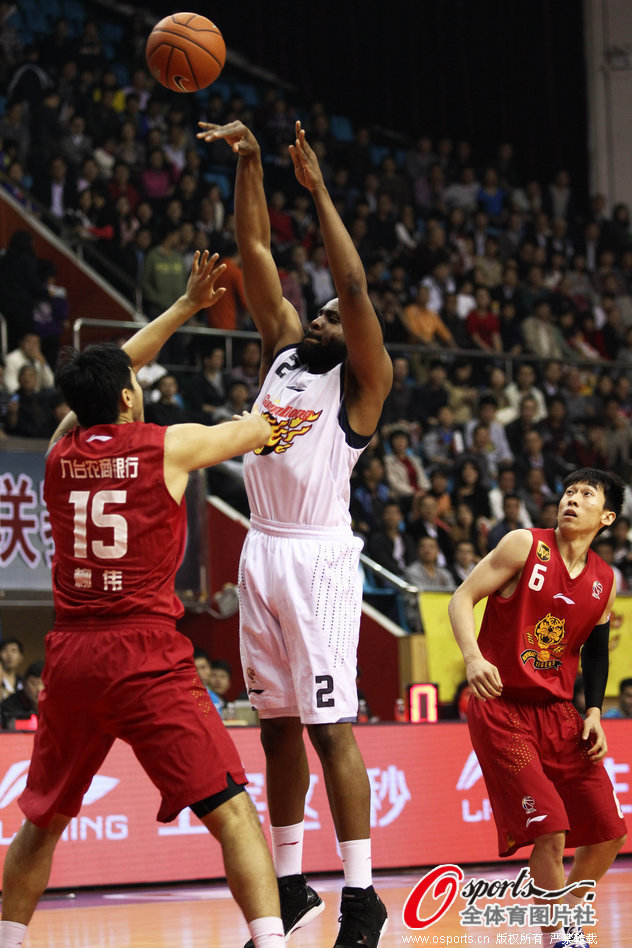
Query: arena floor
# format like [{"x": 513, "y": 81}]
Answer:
[{"x": 205, "y": 916}]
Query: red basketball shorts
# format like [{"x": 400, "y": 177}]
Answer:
[
  {"x": 134, "y": 680},
  {"x": 538, "y": 775}
]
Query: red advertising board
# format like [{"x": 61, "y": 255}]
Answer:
[{"x": 428, "y": 806}]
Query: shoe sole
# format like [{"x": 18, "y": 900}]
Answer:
[
  {"x": 382, "y": 932},
  {"x": 313, "y": 913}
]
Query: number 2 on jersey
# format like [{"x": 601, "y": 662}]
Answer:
[{"x": 90, "y": 513}]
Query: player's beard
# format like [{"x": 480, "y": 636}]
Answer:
[{"x": 321, "y": 358}]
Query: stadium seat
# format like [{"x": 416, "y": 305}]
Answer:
[
  {"x": 374, "y": 593},
  {"x": 249, "y": 93},
  {"x": 341, "y": 128},
  {"x": 378, "y": 154},
  {"x": 222, "y": 180}
]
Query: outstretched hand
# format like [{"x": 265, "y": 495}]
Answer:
[
  {"x": 235, "y": 134},
  {"x": 201, "y": 290},
  {"x": 306, "y": 167}
]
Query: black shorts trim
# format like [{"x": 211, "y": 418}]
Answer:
[{"x": 204, "y": 807}]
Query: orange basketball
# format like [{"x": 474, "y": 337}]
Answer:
[{"x": 185, "y": 52}]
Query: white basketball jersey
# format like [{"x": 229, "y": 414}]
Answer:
[{"x": 302, "y": 474}]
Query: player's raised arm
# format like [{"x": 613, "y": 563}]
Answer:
[
  {"x": 370, "y": 371},
  {"x": 275, "y": 318},
  {"x": 145, "y": 344},
  {"x": 200, "y": 293},
  {"x": 494, "y": 571}
]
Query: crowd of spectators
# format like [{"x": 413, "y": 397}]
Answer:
[
  {"x": 507, "y": 301},
  {"x": 19, "y": 694}
]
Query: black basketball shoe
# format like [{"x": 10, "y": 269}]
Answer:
[
  {"x": 363, "y": 918},
  {"x": 299, "y": 904}
]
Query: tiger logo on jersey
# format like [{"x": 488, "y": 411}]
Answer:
[
  {"x": 285, "y": 430},
  {"x": 543, "y": 552},
  {"x": 548, "y": 635}
]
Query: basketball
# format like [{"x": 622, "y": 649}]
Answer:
[{"x": 185, "y": 52}]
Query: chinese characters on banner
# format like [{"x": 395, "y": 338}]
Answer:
[{"x": 428, "y": 803}]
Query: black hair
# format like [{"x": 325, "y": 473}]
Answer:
[
  {"x": 220, "y": 665},
  {"x": 201, "y": 653},
  {"x": 624, "y": 683},
  {"x": 34, "y": 670},
  {"x": 233, "y": 383},
  {"x": 12, "y": 641},
  {"x": 488, "y": 400},
  {"x": 21, "y": 241},
  {"x": 92, "y": 382},
  {"x": 398, "y": 431},
  {"x": 611, "y": 485}
]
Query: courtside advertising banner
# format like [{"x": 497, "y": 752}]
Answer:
[{"x": 429, "y": 807}]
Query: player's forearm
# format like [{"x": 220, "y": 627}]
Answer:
[
  {"x": 192, "y": 446},
  {"x": 343, "y": 258},
  {"x": 252, "y": 221},
  {"x": 461, "y": 613},
  {"x": 148, "y": 341}
]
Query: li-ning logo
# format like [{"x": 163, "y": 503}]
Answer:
[
  {"x": 14, "y": 782},
  {"x": 597, "y": 589},
  {"x": 112, "y": 826}
]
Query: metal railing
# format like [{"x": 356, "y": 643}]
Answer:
[
  {"x": 224, "y": 336},
  {"x": 448, "y": 356}
]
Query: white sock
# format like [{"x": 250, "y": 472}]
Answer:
[
  {"x": 573, "y": 900},
  {"x": 12, "y": 934},
  {"x": 287, "y": 849},
  {"x": 356, "y": 862},
  {"x": 267, "y": 932}
]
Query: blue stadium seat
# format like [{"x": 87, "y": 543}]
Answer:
[
  {"x": 341, "y": 128},
  {"x": 249, "y": 92},
  {"x": 73, "y": 8},
  {"x": 385, "y": 593},
  {"x": 378, "y": 154},
  {"x": 400, "y": 157},
  {"x": 222, "y": 180},
  {"x": 121, "y": 71},
  {"x": 222, "y": 88},
  {"x": 111, "y": 32}
]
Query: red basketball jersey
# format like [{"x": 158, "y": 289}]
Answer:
[
  {"x": 534, "y": 637},
  {"x": 119, "y": 534}
]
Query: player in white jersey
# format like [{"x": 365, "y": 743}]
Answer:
[{"x": 300, "y": 593}]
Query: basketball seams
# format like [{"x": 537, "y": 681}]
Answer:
[
  {"x": 173, "y": 46},
  {"x": 164, "y": 29},
  {"x": 188, "y": 23}
]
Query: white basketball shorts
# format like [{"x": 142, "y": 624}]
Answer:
[{"x": 300, "y": 596}]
